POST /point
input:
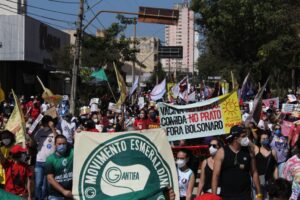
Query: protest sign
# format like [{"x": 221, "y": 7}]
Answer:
[
  {"x": 113, "y": 107},
  {"x": 291, "y": 108},
  {"x": 266, "y": 102},
  {"x": 35, "y": 123},
  {"x": 130, "y": 165},
  {"x": 285, "y": 127},
  {"x": 207, "y": 118}
]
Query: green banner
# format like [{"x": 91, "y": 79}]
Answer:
[{"x": 131, "y": 165}]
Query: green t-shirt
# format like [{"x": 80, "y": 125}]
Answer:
[{"x": 62, "y": 169}]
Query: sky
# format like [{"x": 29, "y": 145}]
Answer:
[{"x": 106, "y": 19}]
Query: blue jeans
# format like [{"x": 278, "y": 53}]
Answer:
[{"x": 41, "y": 185}]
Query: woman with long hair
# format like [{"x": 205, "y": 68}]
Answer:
[{"x": 204, "y": 185}]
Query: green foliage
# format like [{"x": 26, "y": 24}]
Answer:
[{"x": 250, "y": 35}]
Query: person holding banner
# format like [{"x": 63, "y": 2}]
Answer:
[
  {"x": 233, "y": 166},
  {"x": 186, "y": 176},
  {"x": 207, "y": 168}
]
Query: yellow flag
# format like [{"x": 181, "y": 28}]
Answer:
[
  {"x": 2, "y": 94},
  {"x": 16, "y": 121},
  {"x": 122, "y": 87},
  {"x": 49, "y": 96}
]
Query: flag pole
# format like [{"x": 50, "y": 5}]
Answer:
[{"x": 111, "y": 91}]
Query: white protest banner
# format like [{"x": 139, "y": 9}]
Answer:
[
  {"x": 128, "y": 165},
  {"x": 207, "y": 118}
]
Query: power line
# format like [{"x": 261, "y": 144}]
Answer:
[
  {"x": 95, "y": 27},
  {"x": 91, "y": 7},
  {"x": 51, "y": 24},
  {"x": 49, "y": 18},
  {"x": 36, "y": 7},
  {"x": 94, "y": 13},
  {"x": 67, "y": 2}
]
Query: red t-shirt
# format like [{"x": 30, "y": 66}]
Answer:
[
  {"x": 153, "y": 124},
  {"x": 16, "y": 177},
  {"x": 140, "y": 124}
]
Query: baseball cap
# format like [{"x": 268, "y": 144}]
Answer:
[
  {"x": 17, "y": 149},
  {"x": 236, "y": 131}
]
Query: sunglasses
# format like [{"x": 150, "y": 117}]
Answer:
[{"x": 213, "y": 145}]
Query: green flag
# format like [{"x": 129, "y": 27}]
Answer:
[{"x": 100, "y": 75}]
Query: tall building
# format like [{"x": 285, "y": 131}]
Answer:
[
  {"x": 26, "y": 50},
  {"x": 183, "y": 34},
  {"x": 13, "y": 7},
  {"x": 147, "y": 59}
]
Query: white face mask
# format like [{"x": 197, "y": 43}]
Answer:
[
  {"x": 6, "y": 141},
  {"x": 245, "y": 141},
  {"x": 95, "y": 120},
  {"x": 212, "y": 151},
  {"x": 180, "y": 163}
]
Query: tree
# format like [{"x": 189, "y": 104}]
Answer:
[{"x": 250, "y": 35}]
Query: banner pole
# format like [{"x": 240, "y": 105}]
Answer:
[{"x": 111, "y": 91}]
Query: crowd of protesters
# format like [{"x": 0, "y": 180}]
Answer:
[{"x": 254, "y": 161}]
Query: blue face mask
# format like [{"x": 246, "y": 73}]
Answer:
[
  {"x": 265, "y": 143},
  {"x": 277, "y": 132},
  {"x": 61, "y": 149}
]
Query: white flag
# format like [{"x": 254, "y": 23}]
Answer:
[
  {"x": 176, "y": 88},
  {"x": 192, "y": 97},
  {"x": 134, "y": 86},
  {"x": 158, "y": 91}
]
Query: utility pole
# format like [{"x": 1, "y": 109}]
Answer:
[
  {"x": 77, "y": 57},
  {"x": 134, "y": 46}
]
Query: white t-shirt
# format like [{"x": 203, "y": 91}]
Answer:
[{"x": 183, "y": 180}]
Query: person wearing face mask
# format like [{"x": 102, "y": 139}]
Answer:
[
  {"x": 207, "y": 168},
  {"x": 44, "y": 138},
  {"x": 266, "y": 162},
  {"x": 186, "y": 177},
  {"x": 17, "y": 172},
  {"x": 95, "y": 118},
  {"x": 141, "y": 122},
  {"x": 153, "y": 121},
  {"x": 233, "y": 167},
  {"x": 59, "y": 170},
  {"x": 7, "y": 140},
  {"x": 280, "y": 145}
]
